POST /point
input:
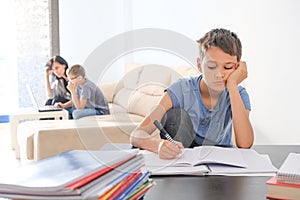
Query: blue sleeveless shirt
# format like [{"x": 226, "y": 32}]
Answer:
[{"x": 213, "y": 124}]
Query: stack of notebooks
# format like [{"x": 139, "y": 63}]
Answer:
[
  {"x": 286, "y": 183},
  {"x": 80, "y": 174}
]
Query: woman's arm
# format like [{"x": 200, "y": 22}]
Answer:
[{"x": 47, "y": 82}]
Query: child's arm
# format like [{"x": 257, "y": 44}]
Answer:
[
  {"x": 240, "y": 116},
  {"x": 64, "y": 105},
  {"x": 78, "y": 103},
  {"x": 144, "y": 138}
]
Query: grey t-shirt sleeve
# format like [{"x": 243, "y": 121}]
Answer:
[
  {"x": 94, "y": 96},
  {"x": 86, "y": 93}
]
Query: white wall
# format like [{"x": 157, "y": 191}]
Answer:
[
  {"x": 8, "y": 60},
  {"x": 269, "y": 30}
]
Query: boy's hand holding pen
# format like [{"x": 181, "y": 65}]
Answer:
[{"x": 166, "y": 151}]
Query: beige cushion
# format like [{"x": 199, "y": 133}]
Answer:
[
  {"x": 142, "y": 103},
  {"x": 142, "y": 88},
  {"x": 108, "y": 90}
]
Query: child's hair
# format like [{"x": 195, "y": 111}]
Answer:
[
  {"x": 76, "y": 70},
  {"x": 223, "y": 39}
]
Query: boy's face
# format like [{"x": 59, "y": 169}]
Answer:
[
  {"x": 74, "y": 78},
  {"x": 216, "y": 67}
]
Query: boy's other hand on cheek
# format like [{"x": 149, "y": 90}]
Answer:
[
  {"x": 238, "y": 75},
  {"x": 71, "y": 86}
]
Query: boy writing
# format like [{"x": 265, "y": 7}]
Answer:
[{"x": 214, "y": 101}]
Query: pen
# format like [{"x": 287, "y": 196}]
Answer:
[{"x": 164, "y": 132}]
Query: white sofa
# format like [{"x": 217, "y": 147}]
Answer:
[{"x": 130, "y": 100}]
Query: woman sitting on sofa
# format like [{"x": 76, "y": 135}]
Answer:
[
  {"x": 57, "y": 81},
  {"x": 87, "y": 98}
]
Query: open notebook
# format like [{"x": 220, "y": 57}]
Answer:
[
  {"x": 211, "y": 160},
  {"x": 36, "y": 105}
]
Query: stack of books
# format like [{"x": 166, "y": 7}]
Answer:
[
  {"x": 79, "y": 174},
  {"x": 286, "y": 183}
]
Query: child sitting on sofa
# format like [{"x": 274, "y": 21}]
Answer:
[{"x": 87, "y": 98}]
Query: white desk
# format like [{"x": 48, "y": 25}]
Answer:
[{"x": 25, "y": 114}]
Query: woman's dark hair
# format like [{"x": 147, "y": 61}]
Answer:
[
  {"x": 58, "y": 59},
  {"x": 61, "y": 61}
]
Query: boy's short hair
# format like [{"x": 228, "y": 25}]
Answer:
[
  {"x": 76, "y": 70},
  {"x": 224, "y": 39}
]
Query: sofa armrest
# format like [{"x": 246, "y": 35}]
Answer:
[
  {"x": 43, "y": 138},
  {"x": 65, "y": 140},
  {"x": 85, "y": 138}
]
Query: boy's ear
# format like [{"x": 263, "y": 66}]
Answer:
[{"x": 199, "y": 64}]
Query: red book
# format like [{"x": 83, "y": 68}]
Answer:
[
  {"x": 283, "y": 191},
  {"x": 95, "y": 175}
]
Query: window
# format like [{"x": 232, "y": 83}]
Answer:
[{"x": 25, "y": 48}]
